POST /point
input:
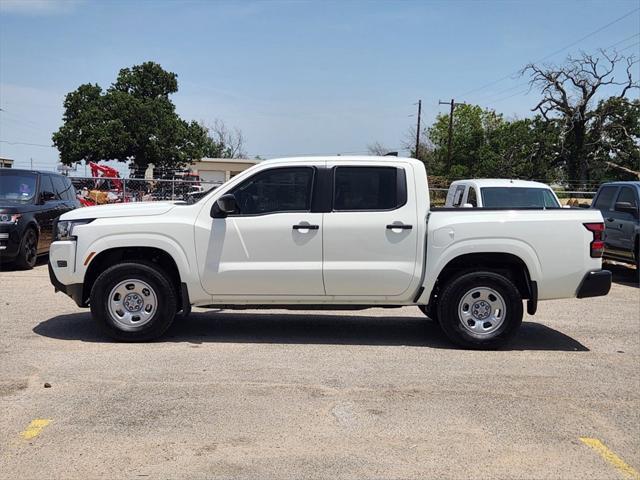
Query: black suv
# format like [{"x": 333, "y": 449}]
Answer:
[
  {"x": 619, "y": 202},
  {"x": 29, "y": 203}
]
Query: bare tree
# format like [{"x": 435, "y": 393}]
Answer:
[
  {"x": 568, "y": 93},
  {"x": 377, "y": 149},
  {"x": 226, "y": 143}
]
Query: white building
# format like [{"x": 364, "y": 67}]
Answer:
[{"x": 220, "y": 169}]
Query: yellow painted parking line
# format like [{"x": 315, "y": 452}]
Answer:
[
  {"x": 611, "y": 457},
  {"x": 34, "y": 428}
]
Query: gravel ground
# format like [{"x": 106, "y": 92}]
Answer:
[{"x": 373, "y": 394}]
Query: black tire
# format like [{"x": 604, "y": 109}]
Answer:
[
  {"x": 28, "y": 251},
  {"x": 161, "y": 315},
  {"x": 450, "y": 310}
]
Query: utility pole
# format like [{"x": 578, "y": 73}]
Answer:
[
  {"x": 418, "y": 129},
  {"x": 453, "y": 105},
  {"x": 31, "y": 161}
]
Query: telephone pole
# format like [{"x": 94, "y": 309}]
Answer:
[
  {"x": 453, "y": 105},
  {"x": 418, "y": 129}
]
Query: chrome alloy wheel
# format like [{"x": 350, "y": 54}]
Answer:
[
  {"x": 482, "y": 310},
  {"x": 132, "y": 303}
]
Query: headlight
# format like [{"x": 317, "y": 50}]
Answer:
[
  {"x": 64, "y": 228},
  {"x": 9, "y": 218}
]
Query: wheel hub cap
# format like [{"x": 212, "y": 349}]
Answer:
[
  {"x": 482, "y": 311},
  {"x": 132, "y": 302}
]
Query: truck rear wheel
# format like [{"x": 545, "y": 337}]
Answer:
[
  {"x": 133, "y": 302},
  {"x": 481, "y": 310}
]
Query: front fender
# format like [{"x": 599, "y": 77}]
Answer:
[{"x": 123, "y": 240}]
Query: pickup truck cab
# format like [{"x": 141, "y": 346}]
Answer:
[
  {"x": 500, "y": 193},
  {"x": 325, "y": 232},
  {"x": 618, "y": 202}
]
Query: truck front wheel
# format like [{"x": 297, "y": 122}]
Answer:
[
  {"x": 480, "y": 310},
  {"x": 133, "y": 302}
]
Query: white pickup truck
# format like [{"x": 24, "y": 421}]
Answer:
[
  {"x": 325, "y": 232},
  {"x": 500, "y": 192}
]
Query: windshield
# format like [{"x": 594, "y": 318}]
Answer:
[
  {"x": 17, "y": 186},
  {"x": 517, "y": 197}
]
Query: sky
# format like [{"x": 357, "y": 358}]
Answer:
[{"x": 324, "y": 77}]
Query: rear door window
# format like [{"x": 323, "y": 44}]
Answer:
[
  {"x": 368, "y": 188},
  {"x": 605, "y": 197}
]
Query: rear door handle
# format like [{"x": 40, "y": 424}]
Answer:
[
  {"x": 306, "y": 227},
  {"x": 400, "y": 226}
]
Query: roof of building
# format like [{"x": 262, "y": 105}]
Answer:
[{"x": 229, "y": 160}]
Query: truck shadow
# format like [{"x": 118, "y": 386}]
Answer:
[
  {"x": 622, "y": 274},
  {"x": 295, "y": 328}
]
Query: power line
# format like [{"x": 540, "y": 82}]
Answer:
[
  {"x": 490, "y": 97},
  {"x": 627, "y": 48},
  {"x": 555, "y": 52},
  {"x": 622, "y": 41},
  {"x": 27, "y": 143}
]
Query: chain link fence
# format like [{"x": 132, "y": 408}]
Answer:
[{"x": 102, "y": 190}]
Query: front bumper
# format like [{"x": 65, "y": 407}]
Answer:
[
  {"x": 595, "y": 284},
  {"x": 9, "y": 241},
  {"x": 74, "y": 290}
]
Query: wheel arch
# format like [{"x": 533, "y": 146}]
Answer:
[
  {"x": 508, "y": 264},
  {"x": 111, "y": 256}
]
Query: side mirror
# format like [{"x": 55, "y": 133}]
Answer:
[
  {"x": 46, "y": 196},
  {"x": 224, "y": 205},
  {"x": 626, "y": 207}
]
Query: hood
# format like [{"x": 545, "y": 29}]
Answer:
[
  {"x": 7, "y": 206},
  {"x": 134, "y": 209}
]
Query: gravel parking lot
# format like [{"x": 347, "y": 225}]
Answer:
[{"x": 373, "y": 394}]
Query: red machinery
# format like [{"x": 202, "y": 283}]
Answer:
[
  {"x": 107, "y": 181},
  {"x": 103, "y": 171}
]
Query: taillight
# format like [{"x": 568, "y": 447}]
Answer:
[{"x": 596, "y": 247}]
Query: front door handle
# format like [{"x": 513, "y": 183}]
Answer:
[
  {"x": 610, "y": 219},
  {"x": 306, "y": 227},
  {"x": 401, "y": 226}
]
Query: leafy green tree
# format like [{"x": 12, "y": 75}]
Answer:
[
  {"x": 615, "y": 139},
  {"x": 484, "y": 144},
  {"x": 133, "y": 121}
]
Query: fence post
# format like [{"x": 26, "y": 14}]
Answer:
[
  {"x": 173, "y": 185},
  {"x": 124, "y": 190}
]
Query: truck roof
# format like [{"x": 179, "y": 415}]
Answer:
[
  {"x": 342, "y": 158},
  {"x": 501, "y": 182},
  {"x": 635, "y": 183}
]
